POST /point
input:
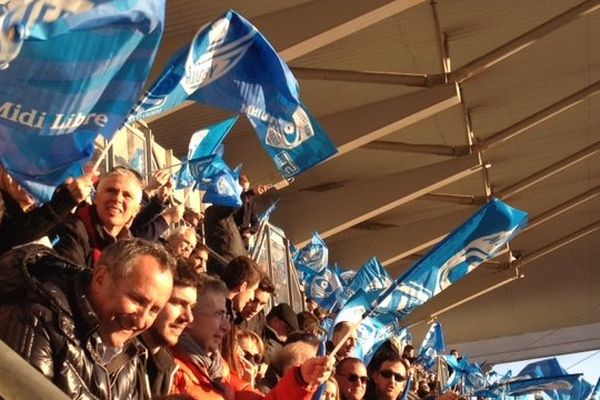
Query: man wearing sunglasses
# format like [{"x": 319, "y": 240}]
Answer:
[
  {"x": 351, "y": 376},
  {"x": 388, "y": 376}
]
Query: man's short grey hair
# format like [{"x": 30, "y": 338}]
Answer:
[
  {"x": 120, "y": 257},
  {"x": 129, "y": 173},
  {"x": 209, "y": 284},
  {"x": 293, "y": 354},
  {"x": 180, "y": 232}
]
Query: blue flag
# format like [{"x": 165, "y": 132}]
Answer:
[
  {"x": 311, "y": 259},
  {"x": 267, "y": 213},
  {"x": 229, "y": 64},
  {"x": 474, "y": 242},
  {"x": 551, "y": 367},
  {"x": 596, "y": 391},
  {"x": 208, "y": 141},
  {"x": 466, "y": 373},
  {"x": 73, "y": 79},
  {"x": 184, "y": 177},
  {"x": 432, "y": 346},
  {"x": 225, "y": 190},
  {"x": 324, "y": 288},
  {"x": 554, "y": 387},
  {"x": 370, "y": 277}
]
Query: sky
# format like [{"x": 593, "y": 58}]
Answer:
[{"x": 586, "y": 363}]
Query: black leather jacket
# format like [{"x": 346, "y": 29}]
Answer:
[{"x": 46, "y": 317}]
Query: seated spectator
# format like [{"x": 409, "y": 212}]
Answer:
[
  {"x": 199, "y": 258},
  {"x": 309, "y": 323},
  {"x": 351, "y": 376},
  {"x": 408, "y": 353},
  {"x": 241, "y": 276},
  {"x": 247, "y": 358},
  {"x": 252, "y": 316},
  {"x": 339, "y": 332},
  {"x": 388, "y": 376},
  {"x": 331, "y": 391},
  {"x": 81, "y": 325},
  {"x": 22, "y": 222},
  {"x": 84, "y": 235},
  {"x": 202, "y": 373},
  {"x": 182, "y": 241},
  {"x": 281, "y": 322},
  {"x": 222, "y": 236},
  {"x": 156, "y": 214},
  {"x": 169, "y": 324}
]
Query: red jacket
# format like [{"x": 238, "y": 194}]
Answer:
[{"x": 194, "y": 381}]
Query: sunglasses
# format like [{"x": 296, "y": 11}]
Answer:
[
  {"x": 255, "y": 359},
  {"x": 387, "y": 374},
  {"x": 353, "y": 378}
]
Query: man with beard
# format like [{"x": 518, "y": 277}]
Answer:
[{"x": 168, "y": 326}]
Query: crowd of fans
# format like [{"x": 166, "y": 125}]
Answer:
[{"x": 139, "y": 298}]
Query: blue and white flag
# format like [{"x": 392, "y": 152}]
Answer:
[
  {"x": 596, "y": 391},
  {"x": 184, "y": 177},
  {"x": 311, "y": 259},
  {"x": 551, "y": 367},
  {"x": 208, "y": 141},
  {"x": 267, "y": 213},
  {"x": 432, "y": 346},
  {"x": 324, "y": 288},
  {"x": 466, "y": 373},
  {"x": 371, "y": 277},
  {"x": 474, "y": 242},
  {"x": 559, "y": 387},
  {"x": 225, "y": 190},
  {"x": 229, "y": 64},
  {"x": 72, "y": 79}
]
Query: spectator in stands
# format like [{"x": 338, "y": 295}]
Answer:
[
  {"x": 193, "y": 218},
  {"x": 202, "y": 372},
  {"x": 80, "y": 325},
  {"x": 170, "y": 323},
  {"x": 241, "y": 276},
  {"x": 156, "y": 215},
  {"x": 281, "y": 322},
  {"x": 246, "y": 218},
  {"x": 247, "y": 358},
  {"x": 84, "y": 235},
  {"x": 331, "y": 391},
  {"x": 388, "y": 376},
  {"x": 182, "y": 241},
  {"x": 339, "y": 332},
  {"x": 309, "y": 323},
  {"x": 22, "y": 222},
  {"x": 252, "y": 316},
  {"x": 199, "y": 257},
  {"x": 351, "y": 376},
  {"x": 408, "y": 353},
  {"x": 222, "y": 236},
  {"x": 291, "y": 355}
]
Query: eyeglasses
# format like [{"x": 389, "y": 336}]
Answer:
[
  {"x": 353, "y": 378},
  {"x": 387, "y": 374},
  {"x": 223, "y": 316},
  {"x": 253, "y": 358}
]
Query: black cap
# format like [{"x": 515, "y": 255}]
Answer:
[{"x": 284, "y": 312}]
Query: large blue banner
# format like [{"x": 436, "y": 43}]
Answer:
[
  {"x": 311, "y": 259},
  {"x": 474, "y": 242},
  {"x": 370, "y": 277},
  {"x": 551, "y": 367},
  {"x": 73, "y": 78},
  {"x": 324, "y": 288},
  {"x": 432, "y": 346},
  {"x": 229, "y": 64}
]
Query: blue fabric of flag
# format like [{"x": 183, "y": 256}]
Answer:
[
  {"x": 267, "y": 213},
  {"x": 468, "y": 374},
  {"x": 73, "y": 79},
  {"x": 432, "y": 346},
  {"x": 595, "y": 395},
  {"x": 372, "y": 276},
  {"x": 559, "y": 387},
  {"x": 229, "y": 64},
  {"x": 551, "y": 367},
  {"x": 324, "y": 288},
  {"x": 225, "y": 190},
  {"x": 207, "y": 141},
  {"x": 184, "y": 177},
  {"x": 474, "y": 242},
  {"x": 311, "y": 259}
]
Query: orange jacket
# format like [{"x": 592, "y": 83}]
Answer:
[{"x": 194, "y": 381}]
